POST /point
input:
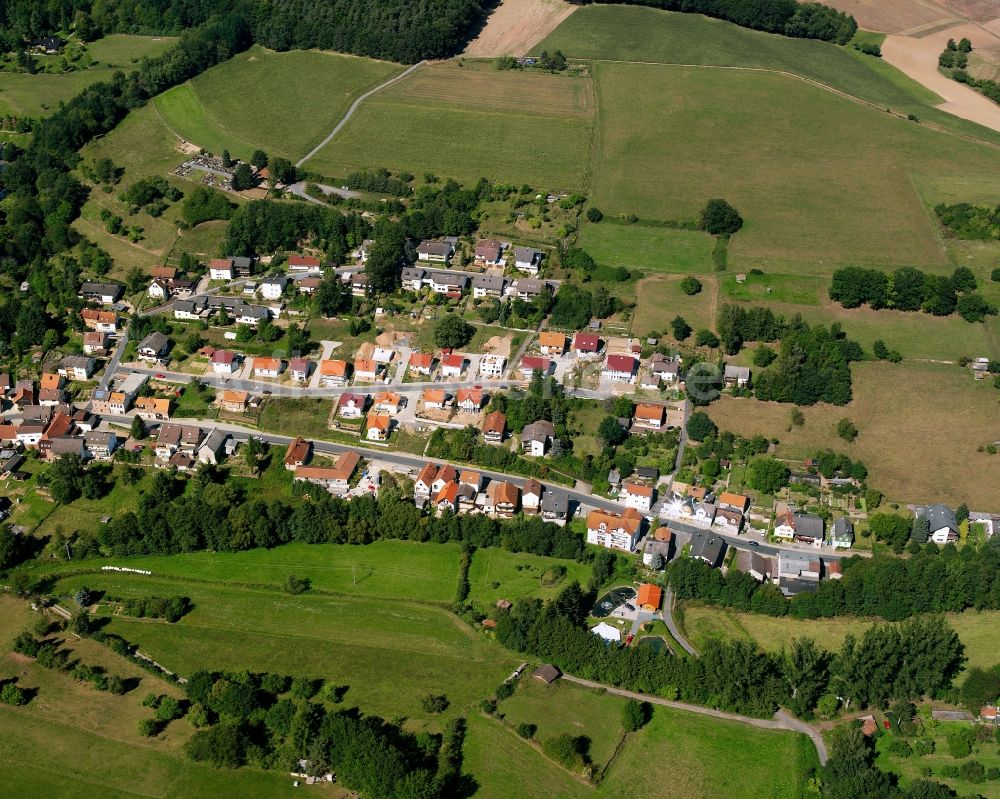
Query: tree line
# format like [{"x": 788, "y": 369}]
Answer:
[
  {"x": 788, "y": 17},
  {"x": 935, "y": 580}
]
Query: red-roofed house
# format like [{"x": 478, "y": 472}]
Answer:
[
  {"x": 378, "y": 426},
  {"x": 452, "y": 365},
  {"x": 638, "y": 496},
  {"x": 586, "y": 343},
  {"x": 225, "y": 362},
  {"x": 303, "y": 263},
  {"x": 351, "y": 406},
  {"x": 470, "y": 400},
  {"x": 620, "y": 369},
  {"x": 529, "y": 363},
  {"x": 422, "y": 363}
]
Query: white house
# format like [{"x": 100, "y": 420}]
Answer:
[
  {"x": 272, "y": 288},
  {"x": 158, "y": 289},
  {"x": 452, "y": 365},
  {"x": 436, "y": 251},
  {"x": 535, "y": 437},
  {"x": 224, "y": 362},
  {"x": 613, "y": 531},
  {"x": 492, "y": 366},
  {"x": 638, "y": 496},
  {"x": 267, "y": 367},
  {"x": 620, "y": 369},
  {"x": 527, "y": 260},
  {"x": 220, "y": 269}
]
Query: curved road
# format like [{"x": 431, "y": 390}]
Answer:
[
  {"x": 668, "y": 619},
  {"x": 781, "y": 720},
  {"x": 353, "y": 108}
]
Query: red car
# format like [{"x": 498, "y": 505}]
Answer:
[{"x": 159, "y": 375}]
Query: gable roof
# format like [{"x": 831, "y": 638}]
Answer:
[
  {"x": 495, "y": 422},
  {"x": 586, "y": 342},
  {"x": 474, "y": 395},
  {"x": 333, "y": 368},
  {"x": 620, "y": 363},
  {"x": 550, "y": 338},
  {"x": 650, "y": 594},
  {"x": 423, "y": 360},
  {"x": 434, "y": 395}
]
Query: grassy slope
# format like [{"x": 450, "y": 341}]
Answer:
[
  {"x": 39, "y": 95},
  {"x": 518, "y": 574},
  {"x": 284, "y": 103},
  {"x": 469, "y": 121},
  {"x": 651, "y": 249}
]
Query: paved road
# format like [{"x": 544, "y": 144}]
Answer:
[
  {"x": 299, "y": 190},
  {"x": 668, "y": 619},
  {"x": 116, "y": 358},
  {"x": 781, "y": 720},
  {"x": 352, "y": 109}
]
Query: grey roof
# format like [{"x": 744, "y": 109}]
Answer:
[
  {"x": 528, "y": 286},
  {"x": 843, "y": 529},
  {"x": 78, "y": 362},
  {"x": 707, "y": 547},
  {"x": 542, "y": 430},
  {"x": 65, "y": 445},
  {"x": 99, "y": 438},
  {"x": 279, "y": 280},
  {"x": 436, "y": 248},
  {"x": 411, "y": 273},
  {"x": 647, "y": 472},
  {"x": 665, "y": 367},
  {"x": 808, "y": 524},
  {"x": 215, "y": 441},
  {"x": 527, "y": 254},
  {"x": 102, "y": 289},
  {"x": 737, "y": 372},
  {"x": 488, "y": 282},
  {"x": 242, "y": 262},
  {"x": 940, "y": 517},
  {"x": 155, "y": 341},
  {"x": 448, "y": 279},
  {"x": 193, "y": 306},
  {"x": 652, "y": 546},
  {"x": 555, "y": 501},
  {"x": 794, "y": 585},
  {"x": 253, "y": 311}
]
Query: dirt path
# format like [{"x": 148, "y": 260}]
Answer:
[
  {"x": 918, "y": 58},
  {"x": 517, "y": 26},
  {"x": 781, "y": 720}
]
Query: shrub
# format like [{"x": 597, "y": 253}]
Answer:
[
  {"x": 504, "y": 690},
  {"x": 847, "y": 430},
  {"x": 594, "y": 215},
  {"x": 706, "y": 338},
  {"x": 526, "y": 730},
  {"x": 10, "y": 694},
  {"x": 435, "y": 703},
  {"x": 151, "y": 700},
  {"x": 972, "y": 771},
  {"x": 148, "y": 728},
  {"x": 900, "y": 747},
  {"x": 690, "y": 285},
  {"x": 636, "y": 714},
  {"x": 700, "y": 426},
  {"x": 960, "y": 742},
  {"x": 567, "y": 750},
  {"x": 169, "y": 709}
]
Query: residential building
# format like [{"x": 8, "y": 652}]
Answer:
[
  {"x": 332, "y": 372},
  {"x": 298, "y": 369},
  {"x": 383, "y": 355},
  {"x": 297, "y": 453},
  {"x": 173, "y": 438},
  {"x": 620, "y": 369},
  {"x": 424, "y": 484},
  {"x": 448, "y": 282},
  {"x": 527, "y": 260},
  {"x": 272, "y": 288},
  {"x": 435, "y": 398},
  {"x": 225, "y": 362},
  {"x": 492, "y": 366},
  {"x": 728, "y": 520},
  {"x": 336, "y": 479},
  {"x": 421, "y": 362},
  {"x": 158, "y": 289},
  {"x": 536, "y": 437},
  {"x": 190, "y": 309},
  {"x": 412, "y": 278},
  {"x": 586, "y": 343},
  {"x": 351, "y": 406},
  {"x": 56, "y": 447},
  {"x": 120, "y": 399},
  {"x": 365, "y": 370},
  {"x": 502, "y": 499},
  {"x": 533, "y": 363},
  {"x": 377, "y": 428},
  {"x": 153, "y": 409},
  {"x": 942, "y": 523},
  {"x": 736, "y": 376},
  {"x": 308, "y": 285},
  {"x": 806, "y": 528},
  {"x": 435, "y": 251},
  {"x": 85, "y": 421},
  {"x": 531, "y": 496},
  {"x": 842, "y": 533},
  {"x": 470, "y": 400},
  {"x": 735, "y": 501},
  {"x": 648, "y": 414},
  {"x": 489, "y": 252},
  {"x": 494, "y": 427},
  {"x": 95, "y": 343},
  {"x": 452, "y": 365},
  {"x": 155, "y": 347},
  {"x": 650, "y": 597},
  {"x": 234, "y": 401},
  {"x": 528, "y": 288},
  {"x": 638, "y": 496},
  {"x": 446, "y": 497},
  {"x": 267, "y": 367},
  {"x": 445, "y": 474},
  {"x": 101, "y": 321},
  {"x": 614, "y": 531},
  {"x": 104, "y": 293},
  {"x": 707, "y": 547},
  {"x": 471, "y": 478},
  {"x": 100, "y": 444},
  {"x": 303, "y": 263},
  {"x": 388, "y": 402},
  {"x": 220, "y": 269},
  {"x": 243, "y": 266},
  {"x": 555, "y": 506},
  {"x": 656, "y": 547},
  {"x": 797, "y": 572},
  {"x": 551, "y": 342},
  {"x": 488, "y": 286},
  {"x": 213, "y": 448}
]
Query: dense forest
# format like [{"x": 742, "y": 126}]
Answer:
[
  {"x": 788, "y": 17},
  {"x": 396, "y": 30}
]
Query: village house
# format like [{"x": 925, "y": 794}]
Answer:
[
  {"x": 942, "y": 523},
  {"x": 619, "y": 369},
  {"x": 234, "y": 401},
  {"x": 104, "y": 293},
  {"x": 53, "y": 448},
  {"x": 637, "y": 496},
  {"x": 492, "y": 366},
  {"x": 502, "y": 499},
  {"x": 536, "y": 437},
  {"x": 648, "y": 414},
  {"x": 30, "y": 433},
  {"x": 359, "y": 284},
  {"x": 614, "y": 531},
  {"x": 531, "y": 496},
  {"x": 555, "y": 506},
  {"x": 494, "y": 427},
  {"x": 155, "y": 347},
  {"x": 452, "y": 365},
  {"x": 351, "y": 406},
  {"x": 728, "y": 520},
  {"x": 806, "y": 528},
  {"x": 448, "y": 283},
  {"x": 153, "y": 409},
  {"x": 383, "y": 355},
  {"x": 446, "y": 497},
  {"x": 489, "y": 252},
  {"x": 586, "y": 343},
  {"x": 267, "y": 367},
  {"x": 470, "y": 400},
  {"x": 308, "y": 285},
  {"x": 225, "y": 362},
  {"x": 551, "y": 342},
  {"x": 101, "y": 321},
  {"x": 272, "y": 288},
  {"x": 158, "y": 289},
  {"x": 797, "y": 572},
  {"x": 365, "y": 370},
  {"x": 533, "y": 363},
  {"x": 298, "y": 369},
  {"x": 303, "y": 263},
  {"x": 842, "y": 534},
  {"x": 336, "y": 479},
  {"x": 422, "y": 363},
  {"x": 527, "y": 260},
  {"x": 213, "y": 448},
  {"x": 119, "y": 400},
  {"x": 736, "y": 376},
  {"x": 424, "y": 484},
  {"x": 100, "y": 444},
  {"x": 664, "y": 370},
  {"x": 51, "y": 396},
  {"x": 173, "y": 438},
  {"x": 654, "y": 547},
  {"x": 85, "y": 421},
  {"x": 388, "y": 402},
  {"x": 95, "y": 343},
  {"x": 488, "y": 286},
  {"x": 650, "y": 597},
  {"x": 446, "y": 473},
  {"x": 377, "y": 428},
  {"x": 472, "y": 479},
  {"x": 52, "y": 381},
  {"x": 412, "y": 278},
  {"x": 707, "y": 547},
  {"x": 190, "y": 309},
  {"x": 738, "y": 502},
  {"x": 435, "y": 399},
  {"x": 435, "y": 251},
  {"x": 297, "y": 453},
  {"x": 220, "y": 269},
  {"x": 332, "y": 372}
]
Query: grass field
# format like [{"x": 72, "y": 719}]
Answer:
[
  {"x": 775, "y": 287},
  {"x": 39, "y": 95},
  {"x": 650, "y": 249},
  {"x": 423, "y": 572},
  {"x": 702, "y": 623},
  {"x": 896, "y": 407},
  {"x": 297, "y": 416},
  {"x": 518, "y": 574},
  {"x": 659, "y": 300},
  {"x": 283, "y": 103},
  {"x": 468, "y": 122}
]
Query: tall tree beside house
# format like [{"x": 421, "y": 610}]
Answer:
[
  {"x": 452, "y": 331},
  {"x": 243, "y": 178},
  {"x": 333, "y": 297},
  {"x": 921, "y": 529}
]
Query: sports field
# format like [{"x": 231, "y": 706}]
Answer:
[
  {"x": 463, "y": 119},
  {"x": 283, "y": 103},
  {"x": 38, "y": 95},
  {"x": 702, "y": 623},
  {"x": 920, "y": 428}
]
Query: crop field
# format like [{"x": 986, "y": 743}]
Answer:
[
  {"x": 468, "y": 122},
  {"x": 498, "y": 574},
  {"x": 390, "y": 652},
  {"x": 283, "y": 103},
  {"x": 894, "y": 406},
  {"x": 417, "y": 571},
  {"x": 38, "y": 95},
  {"x": 659, "y": 300},
  {"x": 830, "y": 181},
  {"x": 650, "y": 249}
]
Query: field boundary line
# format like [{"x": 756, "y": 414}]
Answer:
[
  {"x": 814, "y": 82},
  {"x": 354, "y": 107}
]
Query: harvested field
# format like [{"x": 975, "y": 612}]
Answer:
[
  {"x": 978, "y": 10},
  {"x": 892, "y": 16},
  {"x": 516, "y": 26}
]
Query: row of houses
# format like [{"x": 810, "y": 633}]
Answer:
[
  {"x": 489, "y": 253},
  {"x": 54, "y": 432},
  {"x": 725, "y": 511}
]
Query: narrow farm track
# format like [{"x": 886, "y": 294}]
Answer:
[
  {"x": 354, "y": 107},
  {"x": 813, "y": 81},
  {"x": 781, "y": 720}
]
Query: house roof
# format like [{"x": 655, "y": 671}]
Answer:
[
  {"x": 495, "y": 422},
  {"x": 365, "y": 365},
  {"x": 639, "y": 490},
  {"x": 488, "y": 282},
  {"x": 225, "y": 356},
  {"x": 342, "y": 469},
  {"x": 647, "y": 412},
  {"x": 546, "y": 673},
  {"x": 843, "y": 528},
  {"x": 808, "y": 524},
  {"x": 629, "y": 521},
  {"x": 421, "y": 359},
  {"x": 555, "y": 501},
  {"x": 154, "y": 404},
  {"x": 220, "y": 263},
  {"x": 534, "y": 362},
  {"x": 50, "y": 380},
  {"x": 348, "y": 398},
  {"x": 411, "y": 273},
  {"x": 526, "y": 285},
  {"x": 427, "y": 473},
  {"x": 447, "y": 493},
  {"x": 542, "y": 430},
  {"x": 550, "y": 338},
  {"x": 104, "y": 317},
  {"x": 738, "y": 501},
  {"x": 737, "y": 372},
  {"x": 620, "y": 363},
  {"x": 586, "y": 342},
  {"x": 435, "y": 248},
  {"x": 303, "y": 260},
  {"x": 155, "y": 341},
  {"x": 706, "y": 546},
  {"x": 379, "y": 421},
  {"x": 504, "y": 493},
  {"x": 232, "y": 397},
  {"x": 297, "y": 451},
  {"x": 526, "y": 254},
  {"x": 470, "y": 477},
  {"x": 298, "y": 365},
  {"x": 473, "y": 395},
  {"x": 333, "y": 368},
  {"x": 435, "y": 396},
  {"x": 532, "y": 486},
  {"x": 454, "y": 361},
  {"x": 940, "y": 517},
  {"x": 662, "y": 534},
  {"x": 650, "y": 594},
  {"x": 489, "y": 249},
  {"x": 387, "y": 398},
  {"x": 266, "y": 364},
  {"x": 60, "y": 425}
]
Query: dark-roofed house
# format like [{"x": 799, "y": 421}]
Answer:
[
  {"x": 488, "y": 286},
  {"x": 437, "y": 251},
  {"x": 707, "y": 547},
  {"x": 535, "y": 437},
  {"x": 447, "y": 283},
  {"x": 77, "y": 367},
  {"x": 213, "y": 449},
  {"x": 489, "y": 252},
  {"x": 528, "y": 289},
  {"x": 104, "y": 293},
  {"x": 531, "y": 496},
  {"x": 942, "y": 522},
  {"x": 412, "y": 278},
  {"x": 154, "y": 347},
  {"x": 842, "y": 534},
  {"x": 653, "y": 548},
  {"x": 555, "y": 506},
  {"x": 546, "y": 673},
  {"x": 805, "y": 527},
  {"x": 100, "y": 444},
  {"x": 738, "y": 376},
  {"x": 527, "y": 260}
]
